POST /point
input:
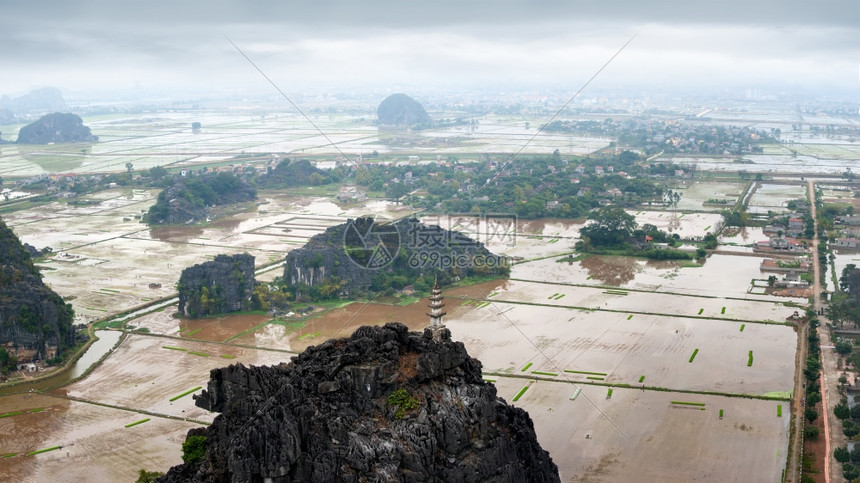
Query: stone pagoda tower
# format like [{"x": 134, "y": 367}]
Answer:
[{"x": 436, "y": 305}]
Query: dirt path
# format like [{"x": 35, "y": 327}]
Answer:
[{"x": 833, "y": 435}]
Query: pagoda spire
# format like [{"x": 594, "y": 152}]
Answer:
[{"x": 436, "y": 305}]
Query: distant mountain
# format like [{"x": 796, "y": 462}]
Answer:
[
  {"x": 402, "y": 110},
  {"x": 189, "y": 199},
  {"x": 46, "y": 99},
  {"x": 35, "y": 322},
  {"x": 56, "y": 128}
]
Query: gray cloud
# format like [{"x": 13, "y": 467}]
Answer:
[{"x": 114, "y": 45}]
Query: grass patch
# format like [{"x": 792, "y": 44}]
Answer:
[
  {"x": 201, "y": 354},
  {"x": 486, "y": 379},
  {"x": 721, "y": 414},
  {"x": 570, "y": 371},
  {"x": 526, "y": 367},
  {"x": 595, "y": 378},
  {"x": 707, "y": 227},
  {"x": 520, "y": 394},
  {"x": 541, "y": 373},
  {"x": 749, "y": 363},
  {"x": 723, "y": 310},
  {"x": 694, "y": 355},
  {"x": 9, "y": 455},
  {"x": 700, "y": 311},
  {"x": 189, "y": 334},
  {"x": 173, "y": 348},
  {"x": 228, "y": 356},
  {"x": 629, "y": 316},
  {"x": 742, "y": 327},
  {"x": 615, "y": 292},
  {"x": 13, "y": 413},
  {"x": 609, "y": 393},
  {"x": 309, "y": 336},
  {"x": 687, "y": 403},
  {"x": 779, "y": 410},
  {"x": 559, "y": 296},
  {"x": 174, "y": 398},
  {"x": 38, "y": 451},
  {"x": 641, "y": 379},
  {"x": 137, "y": 422},
  {"x": 492, "y": 295}
]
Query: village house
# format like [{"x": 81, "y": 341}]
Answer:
[
  {"x": 846, "y": 243},
  {"x": 553, "y": 205}
]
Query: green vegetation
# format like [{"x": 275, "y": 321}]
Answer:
[
  {"x": 629, "y": 316},
  {"x": 694, "y": 355},
  {"x": 742, "y": 327},
  {"x": 526, "y": 367},
  {"x": 188, "y": 197},
  {"x": 189, "y": 334},
  {"x": 641, "y": 379},
  {"x": 723, "y": 310},
  {"x": 173, "y": 348},
  {"x": 194, "y": 449},
  {"x": 686, "y": 403},
  {"x": 570, "y": 371},
  {"x": 721, "y": 414},
  {"x": 609, "y": 393},
  {"x": 137, "y": 422},
  {"x": 39, "y": 451},
  {"x": 201, "y": 354},
  {"x": 596, "y": 378},
  {"x": 148, "y": 476},
  {"x": 750, "y": 362},
  {"x": 520, "y": 394},
  {"x": 228, "y": 356},
  {"x": 540, "y": 373},
  {"x": 174, "y": 398},
  {"x": 13, "y": 413},
  {"x": 700, "y": 311},
  {"x": 9, "y": 455},
  {"x": 404, "y": 402}
]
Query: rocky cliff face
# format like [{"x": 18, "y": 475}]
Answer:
[
  {"x": 382, "y": 405},
  {"x": 220, "y": 286},
  {"x": 56, "y": 128},
  {"x": 35, "y": 323},
  {"x": 400, "y": 109},
  {"x": 367, "y": 256}
]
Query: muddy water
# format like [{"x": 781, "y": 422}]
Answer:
[
  {"x": 219, "y": 329},
  {"x": 107, "y": 340},
  {"x": 343, "y": 321},
  {"x": 26, "y": 431}
]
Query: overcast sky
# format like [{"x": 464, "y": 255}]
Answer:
[{"x": 181, "y": 44}]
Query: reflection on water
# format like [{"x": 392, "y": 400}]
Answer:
[
  {"x": 618, "y": 271},
  {"x": 175, "y": 233},
  {"x": 610, "y": 270}
]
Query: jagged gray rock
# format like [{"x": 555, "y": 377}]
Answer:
[
  {"x": 222, "y": 285},
  {"x": 331, "y": 415}
]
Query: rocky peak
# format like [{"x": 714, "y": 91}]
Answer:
[{"x": 384, "y": 404}]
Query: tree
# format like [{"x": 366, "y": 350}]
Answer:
[
  {"x": 129, "y": 166},
  {"x": 841, "y": 411},
  {"x": 610, "y": 226},
  {"x": 855, "y": 412},
  {"x": 843, "y": 348},
  {"x": 841, "y": 454},
  {"x": 157, "y": 172},
  {"x": 850, "y": 472},
  {"x": 813, "y": 398},
  {"x": 811, "y": 415},
  {"x": 850, "y": 429}
]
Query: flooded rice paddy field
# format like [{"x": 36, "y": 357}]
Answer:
[
  {"x": 641, "y": 436},
  {"x": 773, "y": 197},
  {"x": 695, "y": 196},
  {"x": 669, "y": 311},
  {"x": 106, "y": 259},
  {"x": 96, "y": 445}
]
